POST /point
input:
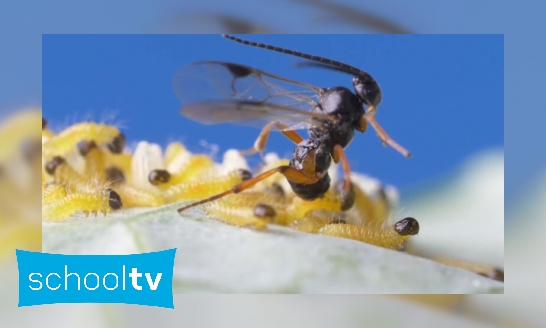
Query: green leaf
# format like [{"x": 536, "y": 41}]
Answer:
[{"x": 213, "y": 257}]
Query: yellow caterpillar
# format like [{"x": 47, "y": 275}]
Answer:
[
  {"x": 393, "y": 237},
  {"x": 56, "y": 208}
]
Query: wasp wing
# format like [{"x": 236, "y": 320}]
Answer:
[{"x": 217, "y": 92}]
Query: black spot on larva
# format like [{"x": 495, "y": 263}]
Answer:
[
  {"x": 52, "y": 165},
  {"x": 347, "y": 196},
  {"x": 114, "y": 201},
  {"x": 86, "y": 146},
  {"x": 245, "y": 174},
  {"x": 44, "y": 123},
  {"x": 117, "y": 144},
  {"x": 114, "y": 175},
  {"x": 158, "y": 177},
  {"x": 408, "y": 226},
  {"x": 264, "y": 211}
]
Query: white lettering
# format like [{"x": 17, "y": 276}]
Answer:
[
  {"x": 104, "y": 281},
  {"x": 153, "y": 286},
  {"x": 134, "y": 275},
  {"x": 85, "y": 281},
  {"x": 32, "y": 280},
  {"x": 47, "y": 281},
  {"x": 66, "y": 275}
]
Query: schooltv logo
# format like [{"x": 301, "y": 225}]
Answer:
[{"x": 144, "y": 279}]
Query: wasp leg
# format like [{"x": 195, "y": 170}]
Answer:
[
  {"x": 259, "y": 144},
  {"x": 292, "y": 174},
  {"x": 383, "y": 136},
  {"x": 346, "y": 191},
  {"x": 338, "y": 154}
]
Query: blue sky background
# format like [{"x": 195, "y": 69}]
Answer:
[
  {"x": 442, "y": 95},
  {"x": 520, "y": 22}
]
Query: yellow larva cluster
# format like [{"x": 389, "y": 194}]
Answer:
[
  {"x": 73, "y": 170},
  {"x": 87, "y": 169},
  {"x": 89, "y": 163}
]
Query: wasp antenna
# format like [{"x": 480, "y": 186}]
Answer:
[{"x": 326, "y": 62}]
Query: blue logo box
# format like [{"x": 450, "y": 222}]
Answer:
[{"x": 144, "y": 279}]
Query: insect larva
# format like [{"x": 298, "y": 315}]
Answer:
[
  {"x": 135, "y": 197},
  {"x": 121, "y": 161},
  {"x": 67, "y": 140},
  {"x": 132, "y": 196},
  {"x": 241, "y": 216},
  {"x": 393, "y": 237},
  {"x": 193, "y": 169},
  {"x": 117, "y": 144},
  {"x": 364, "y": 205},
  {"x": 102, "y": 201},
  {"x": 314, "y": 220},
  {"x": 53, "y": 192},
  {"x": 205, "y": 187},
  {"x": 268, "y": 204},
  {"x": 65, "y": 174},
  {"x": 329, "y": 202},
  {"x": 196, "y": 166},
  {"x": 94, "y": 161}
]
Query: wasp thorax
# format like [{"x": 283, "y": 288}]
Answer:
[{"x": 338, "y": 100}]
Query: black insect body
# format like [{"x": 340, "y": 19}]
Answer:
[
  {"x": 347, "y": 111},
  {"x": 233, "y": 93}
]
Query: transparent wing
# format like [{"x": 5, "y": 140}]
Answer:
[{"x": 217, "y": 92}]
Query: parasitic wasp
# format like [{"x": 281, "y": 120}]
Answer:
[{"x": 219, "y": 92}]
